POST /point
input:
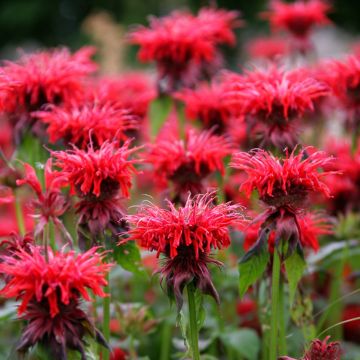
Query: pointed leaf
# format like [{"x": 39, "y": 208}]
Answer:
[
  {"x": 295, "y": 266},
  {"x": 253, "y": 264}
]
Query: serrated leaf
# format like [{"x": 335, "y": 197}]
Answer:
[
  {"x": 245, "y": 342},
  {"x": 128, "y": 257},
  {"x": 295, "y": 266},
  {"x": 182, "y": 323},
  {"x": 253, "y": 264},
  {"x": 159, "y": 111}
]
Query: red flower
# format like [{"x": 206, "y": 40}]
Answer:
[
  {"x": 200, "y": 225},
  {"x": 97, "y": 173},
  {"x": 187, "y": 162},
  {"x": 311, "y": 227},
  {"x": 181, "y": 40},
  {"x": 51, "y": 203},
  {"x": 66, "y": 330},
  {"x": 299, "y": 17},
  {"x": 47, "y": 77},
  {"x": 91, "y": 122},
  {"x": 186, "y": 236},
  {"x": 133, "y": 91},
  {"x": 207, "y": 105},
  {"x": 15, "y": 243},
  {"x": 65, "y": 276},
  {"x": 268, "y": 48},
  {"x": 283, "y": 182},
  {"x": 322, "y": 350},
  {"x": 343, "y": 77},
  {"x": 345, "y": 188},
  {"x": 273, "y": 101}
]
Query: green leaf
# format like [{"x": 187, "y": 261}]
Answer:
[
  {"x": 200, "y": 310},
  {"x": 295, "y": 266},
  {"x": 128, "y": 257},
  {"x": 159, "y": 111},
  {"x": 245, "y": 342},
  {"x": 253, "y": 264}
]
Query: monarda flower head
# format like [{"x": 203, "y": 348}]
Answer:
[
  {"x": 50, "y": 203},
  {"x": 284, "y": 185},
  {"x": 343, "y": 77},
  {"x": 186, "y": 163},
  {"x": 274, "y": 101},
  {"x": 312, "y": 226},
  {"x": 186, "y": 236},
  {"x": 50, "y": 289},
  {"x": 206, "y": 104},
  {"x": 299, "y": 17},
  {"x": 268, "y": 48},
  {"x": 100, "y": 178},
  {"x": 91, "y": 122},
  {"x": 321, "y": 350},
  {"x": 180, "y": 41},
  {"x": 47, "y": 77}
]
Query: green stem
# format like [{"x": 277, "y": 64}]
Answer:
[
  {"x": 282, "y": 321},
  {"x": 46, "y": 241},
  {"x": 275, "y": 286},
  {"x": 19, "y": 214},
  {"x": 52, "y": 235},
  {"x": 106, "y": 318},
  {"x": 165, "y": 341},
  {"x": 194, "y": 337}
]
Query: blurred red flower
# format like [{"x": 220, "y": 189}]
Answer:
[
  {"x": 273, "y": 102},
  {"x": 298, "y": 17},
  {"x": 206, "y": 104},
  {"x": 187, "y": 162},
  {"x": 47, "y": 77},
  {"x": 269, "y": 48},
  {"x": 312, "y": 226},
  {"x": 89, "y": 123},
  {"x": 181, "y": 40}
]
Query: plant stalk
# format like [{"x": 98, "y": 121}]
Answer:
[
  {"x": 19, "y": 214},
  {"x": 194, "y": 336},
  {"x": 106, "y": 318},
  {"x": 274, "y": 322}
]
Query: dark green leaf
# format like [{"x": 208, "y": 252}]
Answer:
[
  {"x": 295, "y": 266},
  {"x": 253, "y": 264},
  {"x": 128, "y": 257}
]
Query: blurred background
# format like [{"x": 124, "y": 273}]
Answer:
[{"x": 30, "y": 24}]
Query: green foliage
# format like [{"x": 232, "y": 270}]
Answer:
[
  {"x": 295, "y": 265},
  {"x": 128, "y": 257},
  {"x": 244, "y": 342},
  {"x": 253, "y": 265}
]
